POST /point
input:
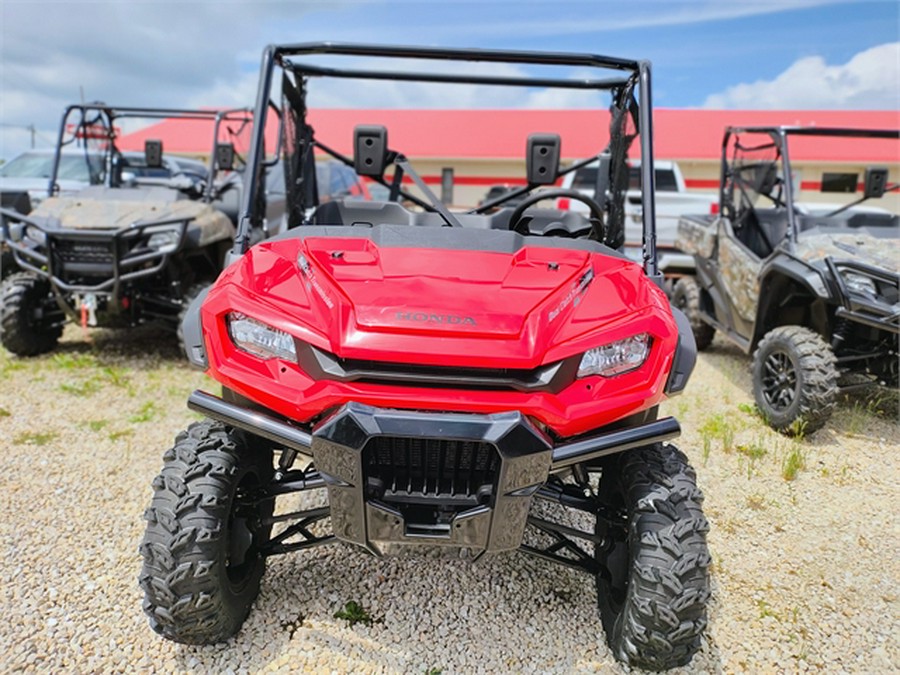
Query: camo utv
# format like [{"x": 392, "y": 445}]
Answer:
[
  {"x": 809, "y": 287},
  {"x": 147, "y": 235}
]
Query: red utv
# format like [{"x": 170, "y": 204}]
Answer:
[{"x": 437, "y": 373}]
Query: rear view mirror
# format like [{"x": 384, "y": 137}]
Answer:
[
  {"x": 542, "y": 159},
  {"x": 153, "y": 151},
  {"x": 875, "y": 182},
  {"x": 370, "y": 150},
  {"x": 225, "y": 156}
]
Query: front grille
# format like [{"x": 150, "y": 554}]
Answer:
[
  {"x": 430, "y": 466},
  {"x": 78, "y": 251}
]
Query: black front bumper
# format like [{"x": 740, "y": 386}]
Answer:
[
  {"x": 88, "y": 261},
  {"x": 398, "y": 478}
]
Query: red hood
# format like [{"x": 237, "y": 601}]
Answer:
[{"x": 516, "y": 309}]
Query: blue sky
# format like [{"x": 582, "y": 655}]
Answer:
[{"x": 790, "y": 54}]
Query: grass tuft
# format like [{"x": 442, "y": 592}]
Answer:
[
  {"x": 35, "y": 438},
  {"x": 84, "y": 388},
  {"x": 147, "y": 412},
  {"x": 354, "y": 613},
  {"x": 65, "y": 361},
  {"x": 794, "y": 462}
]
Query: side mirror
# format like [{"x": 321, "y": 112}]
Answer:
[
  {"x": 875, "y": 182},
  {"x": 153, "y": 151},
  {"x": 370, "y": 150},
  {"x": 542, "y": 159},
  {"x": 225, "y": 156}
]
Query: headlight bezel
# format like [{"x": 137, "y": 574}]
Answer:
[
  {"x": 616, "y": 358},
  {"x": 163, "y": 239}
]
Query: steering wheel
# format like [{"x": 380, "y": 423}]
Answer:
[{"x": 525, "y": 204}]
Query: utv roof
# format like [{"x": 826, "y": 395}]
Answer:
[
  {"x": 282, "y": 53},
  {"x": 628, "y": 80}
]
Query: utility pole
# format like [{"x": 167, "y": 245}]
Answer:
[{"x": 33, "y": 134}]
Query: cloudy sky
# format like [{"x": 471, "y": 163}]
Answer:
[{"x": 771, "y": 54}]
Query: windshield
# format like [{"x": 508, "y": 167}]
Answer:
[
  {"x": 39, "y": 165},
  {"x": 586, "y": 178}
]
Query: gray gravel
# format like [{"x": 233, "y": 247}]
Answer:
[{"x": 805, "y": 571}]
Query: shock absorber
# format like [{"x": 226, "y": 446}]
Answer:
[{"x": 841, "y": 331}]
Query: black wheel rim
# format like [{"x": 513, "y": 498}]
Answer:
[{"x": 779, "y": 380}]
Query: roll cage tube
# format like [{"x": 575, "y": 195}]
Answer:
[
  {"x": 779, "y": 136},
  {"x": 213, "y": 166},
  {"x": 110, "y": 114},
  {"x": 638, "y": 72}
]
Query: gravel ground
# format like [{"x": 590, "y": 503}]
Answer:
[{"x": 805, "y": 571}]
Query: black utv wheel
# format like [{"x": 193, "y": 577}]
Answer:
[
  {"x": 653, "y": 582},
  {"x": 794, "y": 379},
  {"x": 686, "y": 297},
  {"x": 30, "y": 321},
  {"x": 202, "y": 548}
]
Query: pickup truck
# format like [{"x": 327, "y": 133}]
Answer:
[{"x": 672, "y": 200}]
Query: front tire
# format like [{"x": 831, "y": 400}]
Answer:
[
  {"x": 686, "y": 297},
  {"x": 7, "y": 263},
  {"x": 202, "y": 550},
  {"x": 653, "y": 581},
  {"x": 794, "y": 379},
  {"x": 30, "y": 322}
]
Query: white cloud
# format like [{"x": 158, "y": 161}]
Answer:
[
  {"x": 868, "y": 81},
  {"x": 618, "y": 16}
]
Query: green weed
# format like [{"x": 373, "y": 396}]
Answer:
[
  {"x": 66, "y": 361},
  {"x": 765, "y": 609},
  {"x": 117, "y": 377},
  {"x": 147, "y": 412},
  {"x": 35, "y": 438},
  {"x": 797, "y": 429},
  {"x": 717, "y": 428},
  {"x": 96, "y": 425},
  {"x": 122, "y": 433},
  {"x": 754, "y": 451},
  {"x": 4, "y": 412},
  {"x": 749, "y": 409},
  {"x": 434, "y": 671},
  {"x": 354, "y": 613},
  {"x": 84, "y": 388},
  {"x": 794, "y": 462}
]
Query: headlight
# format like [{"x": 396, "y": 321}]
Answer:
[
  {"x": 616, "y": 358},
  {"x": 36, "y": 197},
  {"x": 857, "y": 283},
  {"x": 165, "y": 241},
  {"x": 255, "y": 337}
]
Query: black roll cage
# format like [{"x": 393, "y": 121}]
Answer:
[
  {"x": 635, "y": 77},
  {"x": 779, "y": 137},
  {"x": 107, "y": 116}
]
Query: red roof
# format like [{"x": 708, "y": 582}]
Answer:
[{"x": 500, "y": 134}]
